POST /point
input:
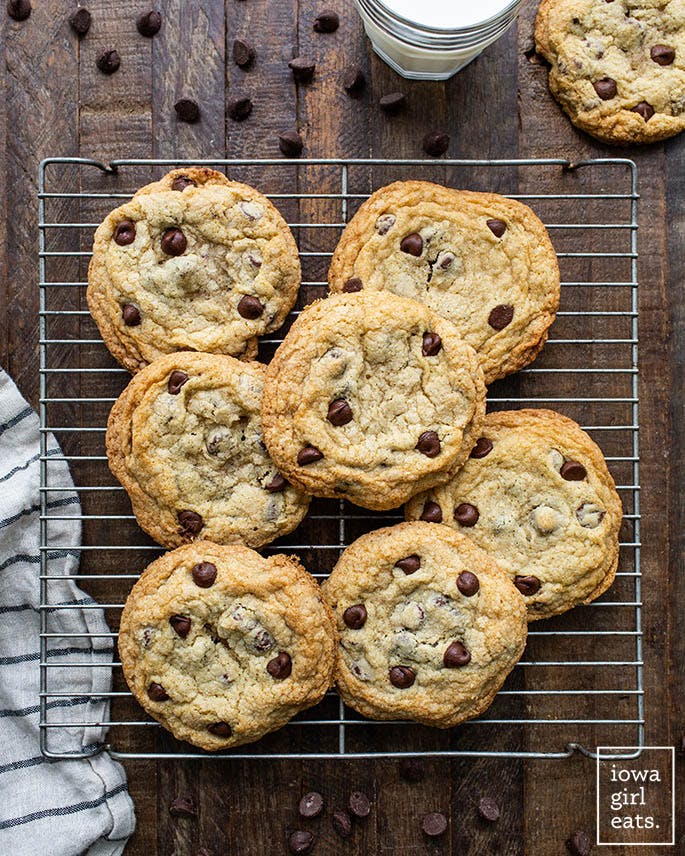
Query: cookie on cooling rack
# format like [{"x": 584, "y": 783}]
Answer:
[
  {"x": 480, "y": 260},
  {"x": 537, "y": 496},
  {"x": 617, "y": 68},
  {"x": 372, "y": 398},
  {"x": 222, "y": 646},
  {"x": 429, "y": 625},
  {"x": 193, "y": 262},
  {"x": 185, "y": 440}
]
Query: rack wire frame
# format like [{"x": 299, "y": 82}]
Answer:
[{"x": 342, "y": 720}]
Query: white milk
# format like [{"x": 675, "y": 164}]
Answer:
[{"x": 446, "y": 14}]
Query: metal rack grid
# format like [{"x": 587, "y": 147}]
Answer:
[{"x": 580, "y": 682}]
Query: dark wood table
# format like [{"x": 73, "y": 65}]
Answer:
[{"x": 57, "y": 103}]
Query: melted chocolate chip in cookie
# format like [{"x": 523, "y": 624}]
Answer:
[
  {"x": 221, "y": 729},
  {"x": 456, "y": 655},
  {"x": 190, "y": 523},
  {"x": 573, "y": 471},
  {"x": 385, "y": 223},
  {"x": 644, "y": 109},
  {"x": 412, "y": 244},
  {"x": 468, "y": 583},
  {"x": 466, "y": 514},
  {"x": 355, "y": 616},
  {"x": 429, "y": 444},
  {"x": 606, "y": 88},
  {"x": 353, "y": 284},
  {"x": 402, "y": 677},
  {"x": 432, "y": 513},
  {"x": 339, "y": 412},
  {"x": 501, "y": 316},
  {"x": 176, "y": 381},
  {"x": 124, "y": 233},
  {"x": 250, "y": 307},
  {"x": 308, "y": 455},
  {"x": 662, "y": 54},
  {"x": 527, "y": 585},
  {"x": 482, "y": 448},
  {"x": 181, "y": 182},
  {"x": 130, "y": 315},
  {"x": 280, "y": 667},
  {"x": 181, "y": 624},
  {"x": 156, "y": 692},
  {"x": 277, "y": 484},
  {"x": 204, "y": 574},
  {"x": 174, "y": 242},
  {"x": 431, "y": 345},
  {"x": 410, "y": 564},
  {"x": 497, "y": 227}
]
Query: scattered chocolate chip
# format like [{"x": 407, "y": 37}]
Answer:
[
  {"x": 181, "y": 624},
  {"x": 432, "y": 513},
  {"x": 176, "y": 381},
  {"x": 280, "y": 667},
  {"x": 401, "y": 677},
  {"x": 300, "y": 842},
  {"x": 434, "y": 824},
  {"x": 359, "y": 804},
  {"x": 573, "y": 471},
  {"x": 606, "y": 88},
  {"x": 156, "y": 692},
  {"x": 355, "y": 616},
  {"x": 393, "y": 102},
  {"x": 183, "y": 806},
  {"x": 130, "y": 314},
  {"x": 149, "y": 23},
  {"x": 243, "y": 53},
  {"x": 307, "y": 455},
  {"x": 456, "y": 655},
  {"x": 124, "y": 233},
  {"x": 497, "y": 227},
  {"x": 644, "y": 109},
  {"x": 174, "y": 242},
  {"x": 579, "y": 844},
  {"x": 79, "y": 21},
  {"x": 339, "y": 412},
  {"x": 412, "y": 244},
  {"x": 429, "y": 444},
  {"x": 488, "y": 809},
  {"x": 432, "y": 344},
  {"x": 108, "y": 62},
  {"x": 190, "y": 523},
  {"x": 501, "y": 316},
  {"x": 18, "y": 10},
  {"x": 326, "y": 22},
  {"x": 528, "y": 586},
  {"x": 354, "y": 81},
  {"x": 662, "y": 54},
  {"x": 239, "y": 109},
  {"x": 352, "y": 284},
  {"x": 482, "y": 448},
  {"x": 436, "y": 143},
  {"x": 311, "y": 805},
  {"x": 204, "y": 574},
  {"x": 221, "y": 729},
  {"x": 277, "y": 484},
  {"x": 410, "y": 564},
  {"x": 412, "y": 769},
  {"x": 290, "y": 143},
  {"x": 181, "y": 182},
  {"x": 187, "y": 110},
  {"x": 342, "y": 823},
  {"x": 302, "y": 69},
  {"x": 466, "y": 514},
  {"x": 468, "y": 583}
]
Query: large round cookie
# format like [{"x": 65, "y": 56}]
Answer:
[
  {"x": 429, "y": 625},
  {"x": 617, "y": 66},
  {"x": 185, "y": 440},
  {"x": 222, "y": 646},
  {"x": 371, "y": 398},
  {"x": 536, "y": 494},
  {"x": 192, "y": 262},
  {"x": 482, "y": 261}
]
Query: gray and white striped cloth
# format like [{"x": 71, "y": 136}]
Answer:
[{"x": 49, "y": 807}]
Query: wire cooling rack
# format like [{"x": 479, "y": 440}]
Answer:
[{"x": 579, "y": 684}]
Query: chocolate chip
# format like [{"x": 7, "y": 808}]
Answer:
[
  {"x": 187, "y": 110},
  {"x": 412, "y": 244},
  {"x": 181, "y": 624},
  {"x": 606, "y": 88},
  {"x": 342, "y": 823},
  {"x": 662, "y": 54},
  {"x": 176, "y": 381},
  {"x": 644, "y": 109},
  {"x": 401, "y": 677},
  {"x": 482, "y": 448},
  {"x": 467, "y": 583},
  {"x": 280, "y": 667},
  {"x": 174, "y": 242},
  {"x": 579, "y": 844},
  {"x": 239, "y": 109},
  {"x": 302, "y": 69},
  {"x": 354, "y": 81},
  {"x": 149, "y": 24},
  {"x": 436, "y": 143},
  {"x": 466, "y": 514},
  {"x": 243, "y": 53},
  {"x": 290, "y": 143},
  {"x": 497, "y": 227},
  {"x": 412, "y": 769},
  {"x": 456, "y": 655},
  {"x": 250, "y": 307},
  {"x": 352, "y": 284},
  {"x": 355, "y": 616},
  {"x": 432, "y": 513},
  {"x": 326, "y": 22},
  {"x": 431, "y": 345},
  {"x": 590, "y": 515},
  {"x": 18, "y": 10},
  {"x": 183, "y": 806},
  {"x": 393, "y": 102},
  {"x": 307, "y": 455},
  {"x": 181, "y": 182},
  {"x": 277, "y": 484},
  {"x": 311, "y": 805},
  {"x": 190, "y": 523},
  {"x": 429, "y": 444},
  {"x": 79, "y": 21},
  {"x": 573, "y": 471},
  {"x": 359, "y": 804},
  {"x": 501, "y": 316},
  {"x": 221, "y": 729},
  {"x": 339, "y": 412},
  {"x": 204, "y": 574},
  {"x": 108, "y": 62},
  {"x": 156, "y": 692},
  {"x": 434, "y": 824},
  {"x": 528, "y": 586},
  {"x": 130, "y": 314},
  {"x": 385, "y": 223},
  {"x": 488, "y": 809},
  {"x": 410, "y": 564},
  {"x": 124, "y": 233},
  {"x": 300, "y": 842}
]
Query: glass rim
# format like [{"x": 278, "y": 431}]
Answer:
[{"x": 445, "y": 31}]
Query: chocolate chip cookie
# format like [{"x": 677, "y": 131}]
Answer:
[
  {"x": 185, "y": 440},
  {"x": 482, "y": 261},
  {"x": 193, "y": 262},
  {"x": 537, "y": 496},
  {"x": 429, "y": 625},
  {"x": 617, "y": 66},
  {"x": 372, "y": 398},
  {"x": 222, "y": 646}
]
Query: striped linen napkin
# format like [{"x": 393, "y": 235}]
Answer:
[{"x": 49, "y": 807}]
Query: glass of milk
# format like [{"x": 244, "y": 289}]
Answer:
[{"x": 434, "y": 39}]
